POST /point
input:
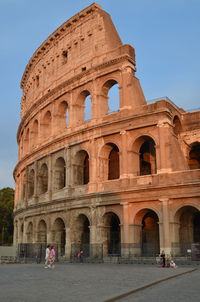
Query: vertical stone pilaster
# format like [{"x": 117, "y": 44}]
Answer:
[
  {"x": 50, "y": 176},
  {"x": 165, "y": 243},
  {"x": 163, "y": 156}
]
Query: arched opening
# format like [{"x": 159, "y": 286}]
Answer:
[
  {"x": 60, "y": 174},
  {"x": 29, "y": 233},
  {"x": 110, "y": 93},
  {"x": 59, "y": 236},
  {"x": 63, "y": 114},
  {"x": 112, "y": 236},
  {"x": 177, "y": 125},
  {"x": 42, "y": 232},
  {"x": 34, "y": 133},
  {"x": 26, "y": 141},
  {"x": 109, "y": 167},
  {"x": 150, "y": 234},
  {"x": 81, "y": 168},
  {"x": 46, "y": 125},
  {"x": 84, "y": 108},
  {"x": 43, "y": 179},
  {"x": 83, "y": 235},
  {"x": 189, "y": 230},
  {"x": 147, "y": 156},
  {"x": 194, "y": 156},
  {"x": 31, "y": 181},
  {"x": 113, "y": 163}
]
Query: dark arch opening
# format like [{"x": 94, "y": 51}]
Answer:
[
  {"x": 147, "y": 157},
  {"x": 150, "y": 234},
  {"x": 194, "y": 156},
  {"x": 113, "y": 163}
]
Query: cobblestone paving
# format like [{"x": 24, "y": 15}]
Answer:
[{"x": 76, "y": 282}]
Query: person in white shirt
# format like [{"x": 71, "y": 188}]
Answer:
[{"x": 47, "y": 256}]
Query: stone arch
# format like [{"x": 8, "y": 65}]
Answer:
[
  {"x": 109, "y": 162},
  {"x": 147, "y": 232},
  {"x": 177, "y": 125},
  {"x": 144, "y": 156},
  {"x": 42, "y": 231},
  {"x": 43, "y": 179},
  {"x": 82, "y": 235},
  {"x": 46, "y": 125},
  {"x": 59, "y": 174},
  {"x": 29, "y": 232},
  {"x": 188, "y": 220},
  {"x": 111, "y": 234},
  {"x": 110, "y": 98},
  {"x": 63, "y": 114},
  {"x": 194, "y": 156},
  {"x": 34, "y": 133},
  {"x": 31, "y": 183},
  {"x": 81, "y": 168},
  {"x": 27, "y": 141},
  {"x": 84, "y": 106},
  {"x": 59, "y": 235}
]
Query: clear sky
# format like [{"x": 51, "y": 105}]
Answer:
[{"x": 164, "y": 33}]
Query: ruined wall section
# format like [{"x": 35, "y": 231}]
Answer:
[{"x": 78, "y": 45}]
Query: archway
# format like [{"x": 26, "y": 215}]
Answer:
[
  {"x": 109, "y": 165},
  {"x": 189, "y": 230},
  {"x": 147, "y": 156},
  {"x": 29, "y": 233},
  {"x": 31, "y": 180},
  {"x": 81, "y": 168},
  {"x": 113, "y": 163},
  {"x": 43, "y": 179},
  {"x": 150, "y": 234},
  {"x": 60, "y": 174},
  {"x": 110, "y": 99},
  {"x": 46, "y": 125},
  {"x": 112, "y": 236},
  {"x": 194, "y": 156},
  {"x": 42, "y": 232},
  {"x": 59, "y": 236},
  {"x": 83, "y": 234},
  {"x": 63, "y": 115}
]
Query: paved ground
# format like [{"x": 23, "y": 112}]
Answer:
[{"x": 91, "y": 282}]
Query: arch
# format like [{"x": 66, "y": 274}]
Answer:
[
  {"x": 34, "y": 133},
  {"x": 110, "y": 92},
  {"x": 46, "y": 125},
  {"x": 59, "y": 235},
  {"x": 63, "y": 114},
  {"x": 109, "y": 162},
  {"x": 60, "y": 174},
  {"x": 31, "y": 183},
  {"x": 177, "y": 125},
  {"x": 188, "y": 218},
  {"x": 42, "y": 232},
  {"x": 27, "y": 141},
  {"x": 43, "y": 179},
  {"x": 145, "y": 161},
  {"x": 82, "y": 237},
  {"x": 112, "y": 234},
  {"x": 147, "y": 232},
  {"x": 29, "y": 233},
  {"x": 194, "y": 156},
  {"x": 84, "y": 109},
  {"x": 81, "y": 168}
]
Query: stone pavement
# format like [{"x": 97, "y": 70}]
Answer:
[{"x": 77, "y": 282}]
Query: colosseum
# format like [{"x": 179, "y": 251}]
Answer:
[{"x": 112, "y": 182}]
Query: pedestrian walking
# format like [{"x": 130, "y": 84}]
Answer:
[
  {"x": 52, "y": 257},
  {"x": 47, "y": 256}
]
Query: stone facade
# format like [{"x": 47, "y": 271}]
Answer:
[{"x": 124, "y": 182}]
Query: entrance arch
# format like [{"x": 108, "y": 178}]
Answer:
[
  {"x": 59, "y": 236},
  {"x": 112, "y": 236},
  {"x": 82, "y": 229},
  {"x": 188, "y": 218},
  {"x": 42, "y": 232}
]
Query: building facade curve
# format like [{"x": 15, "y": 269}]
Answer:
[{"x": 122, "y": 182}]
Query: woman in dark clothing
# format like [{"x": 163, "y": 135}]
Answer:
[{"x": 162, "y": 256}]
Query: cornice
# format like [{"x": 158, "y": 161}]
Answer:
[{"x": 61, "y": 31}]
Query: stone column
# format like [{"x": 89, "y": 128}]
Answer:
[
  {"x": 50, "y": 176},
  {"x": 36, "y": 178},
  {"x": 124, "y": 155},
  {"x": 175, "y": 237},
  {"x": 165, "y": 243},
  {"x": 68, "y": 243}
]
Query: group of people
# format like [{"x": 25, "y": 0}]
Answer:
[
  {"x": 167, "y": 263},
  {"x": 50, "y": 257}
]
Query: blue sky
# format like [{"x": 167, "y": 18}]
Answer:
[{"x": 164, "y": 33}]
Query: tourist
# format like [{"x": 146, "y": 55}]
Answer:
[
  {"x": 162, "y": 256},
  {"x": 47, "y": 256},
  {"x": 173, "y": 264},
  {"x": 52, "y": 257}
]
